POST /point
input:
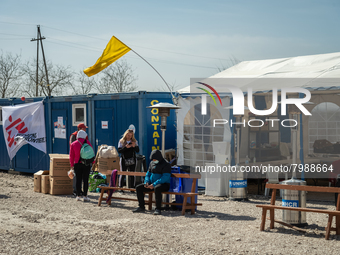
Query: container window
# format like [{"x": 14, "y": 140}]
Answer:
[{"x": 78, "y": 114}]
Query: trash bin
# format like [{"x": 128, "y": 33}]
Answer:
[
  {"x": 184, "y": 184},
  {"x": 140, "y": 167},
  {"x": 294, "y": 198},
  {"x": 237, "y": 185}
]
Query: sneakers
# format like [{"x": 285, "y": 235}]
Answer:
[
  {"x": 78, "y": 198},
  {"x": 138, "y": 210},
  {"x": 157, "y": 212},
  {"x": 86, "y": 199}
]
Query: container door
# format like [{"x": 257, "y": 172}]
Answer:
[
  {"x": 60, "y": 140},
  {"x": 22, "y": 159},
  {"x": 104, "y": 127}
]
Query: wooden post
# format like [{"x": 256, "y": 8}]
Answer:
[
  {"x": 329, "y": 225},
  {"x": 263, "y": 220}
]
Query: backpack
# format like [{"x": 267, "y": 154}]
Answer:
[{"x": 86, "y": 153}]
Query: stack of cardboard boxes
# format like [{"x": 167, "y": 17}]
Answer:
[
  {"x": 60, "y": 183},
  {"x": 57, "y": 182},
  {"x": 42, "y": 182}
]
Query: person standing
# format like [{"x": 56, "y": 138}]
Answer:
[
  {"x": 157, "y": 178},
  {"x": 81, "y": 169},
  {"x": 73, "y": 137},
  {"x": 127, "y": 147}
]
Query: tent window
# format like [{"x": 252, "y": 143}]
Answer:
[
  {"x": 78, "y": 114},
  {"x": 324, "y": 124},
  {"x": 199, "y": 134}
]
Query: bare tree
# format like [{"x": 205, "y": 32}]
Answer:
[
  {"x": 60, "y": 79},
  {"x": 84, "y": 85},
  {"x": 10, "y": 74},
  {"x": 172, "y": 87},
  {"x": 118, "y": 77},
  {"x": 233, "y": 61}
]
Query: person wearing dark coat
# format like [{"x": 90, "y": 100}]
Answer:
[
  {"x": 128, "y": 147},
  {"x": 157, "y": 178}
]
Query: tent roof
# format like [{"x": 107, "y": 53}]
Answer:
[{"x": 312, "y": 72}]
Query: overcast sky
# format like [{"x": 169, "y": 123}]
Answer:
[{"x": 181, "y": 39}]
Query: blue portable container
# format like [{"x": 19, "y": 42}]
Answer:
[
  {"x": 185, "y": 187},
  {"x": 107, "y": 117},
  {"x": 175, "y": 183}
]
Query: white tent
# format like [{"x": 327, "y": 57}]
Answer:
[
  {"x": 310, "y": 68},
  {"x": 318, "y": 73}
]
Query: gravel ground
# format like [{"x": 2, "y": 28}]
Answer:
[{"x": 36, "y": 223}]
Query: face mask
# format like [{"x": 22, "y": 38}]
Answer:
[{"x": 155, "y": 161}]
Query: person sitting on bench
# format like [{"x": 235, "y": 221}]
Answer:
[{"x": 157, "y": 178}]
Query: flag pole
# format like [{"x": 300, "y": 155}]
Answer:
[{"x": 173, "y": 97}]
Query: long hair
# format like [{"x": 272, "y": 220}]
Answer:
[{"x": 123, "y": 140}]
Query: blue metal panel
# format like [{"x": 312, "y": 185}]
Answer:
[
  {"x": 22, "y": 158},
  {"x": 104, "y": 126},
  {"x": 126, "y": 109},
  {"x": 126, "y": 113},
  {"x": 59, "y": 144},
  {"x": 4, "y": 159},
  {"x": 153, "y": 121}
]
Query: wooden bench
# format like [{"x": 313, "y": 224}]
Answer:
[
  {"x": 185, "y": 205},
  {"x": 330, "y": 213}
]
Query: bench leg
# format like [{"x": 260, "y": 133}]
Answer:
[
  {"x": 271, "y": 218},
  {"x": 329, "y": 225},
  {"x": 109, "y": 203},
  {"x": 184, "y": 206},
  {"x": 337, "y": 224},
  {"x": 150, "y": 201},
  {"x": 192, "y": 204},
  {"x": 101, "y": 197},
  {"x": 263, "y": 220}
]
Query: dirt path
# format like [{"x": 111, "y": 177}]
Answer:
[{"x": 35, "y": 223}]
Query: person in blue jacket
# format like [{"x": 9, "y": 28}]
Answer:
[{"x": 157, "y": 178}]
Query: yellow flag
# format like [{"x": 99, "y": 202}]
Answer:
[{"x": 113, "y": 51}]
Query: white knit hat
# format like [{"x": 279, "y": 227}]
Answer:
[{"x": 81, "y": 134}]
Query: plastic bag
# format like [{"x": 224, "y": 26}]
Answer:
[
  {"x": 70, "y": 173},
  {"x": 108, "y": 152},
  {"x": 95, "y": 179}
]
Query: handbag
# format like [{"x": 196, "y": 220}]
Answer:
[{"x": 129, "y": 161}]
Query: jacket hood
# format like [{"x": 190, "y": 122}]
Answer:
[{"x": 156, "y": 154}]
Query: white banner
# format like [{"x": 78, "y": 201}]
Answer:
[{"x": 22, "y": 124}]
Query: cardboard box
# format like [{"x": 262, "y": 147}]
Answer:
[
  {"x": 59, "y": 165},
  {"x": 45, "y": 184},
  {"x": 105, "y": 164},
  {"x": 61, "y": 185},
  {"x": 37, "y": 180}
]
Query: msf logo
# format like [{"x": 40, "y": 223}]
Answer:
[{"x": 238, "y": 106}]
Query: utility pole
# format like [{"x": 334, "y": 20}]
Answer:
[{"x": 40, "y": 38}]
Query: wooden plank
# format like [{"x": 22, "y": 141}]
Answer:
[
  {"x": 131, "y": 173},
  {"x": 289, "y": 225},
  {"x": 303, "y": 188},
  {"x": 272, "y": 201},
  {"x": 300, "y": 209},
  {"x": 186, "y": 176},
  {"x": 263, "y": 219},
  {"x": 272, "y": 216},
  {"x": 329, "y": 225}
]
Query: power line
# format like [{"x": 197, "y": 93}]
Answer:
[
  {"x": 153, "y": 49},
  {"x": 97, "y": 49}
]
